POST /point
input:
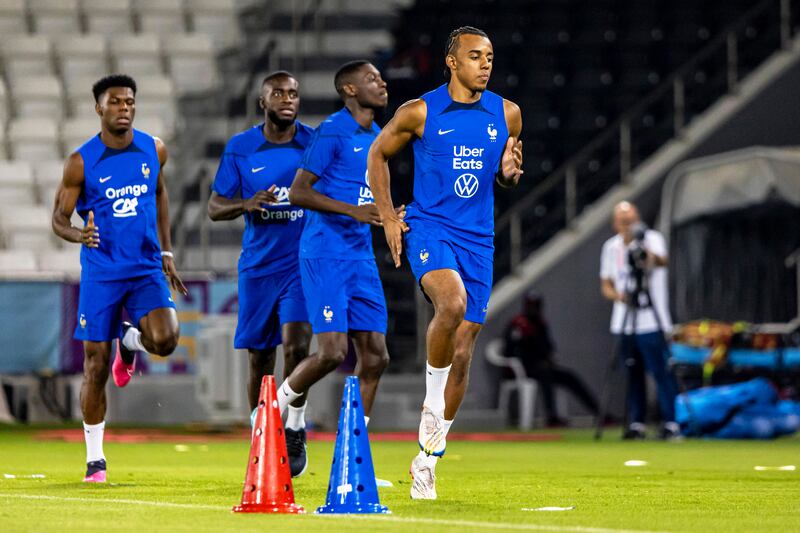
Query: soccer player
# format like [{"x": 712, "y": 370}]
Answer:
[
  {"x": 115, "y": 182},
  {"x": 344, "y": 295},
  {"x": 258, "y": 165},
  {"x": 465, "y": 138}
]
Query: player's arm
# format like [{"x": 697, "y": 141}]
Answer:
[
  {"x": 303, "y": 194},
  {"x": 511, "y": 163},
  {"x": 222, "y": 208},
  {"x": 408, "y": 122},
  {"x": 162, "y": 217},
  {"x": 69, "y": 190}
]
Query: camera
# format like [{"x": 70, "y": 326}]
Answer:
[{"x": 637, "y": 255}]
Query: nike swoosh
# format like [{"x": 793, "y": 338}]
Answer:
[
  {"x": 358, "y": 149},
  {"x": 443, "y": 132},
  {"x": 259, "y": 169},
  {"x": 103, "y": 180}
]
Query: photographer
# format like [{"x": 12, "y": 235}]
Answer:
[{"x": 632, "y": 272}]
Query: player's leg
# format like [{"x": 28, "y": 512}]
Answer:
[
  {"x": 160, "y": 331},
  {"x": 446, "y": 291},
  {"x": 96, "y": 357},
  {"x": 296, "y": 338},
  {"x": 99, "y": 309},
  {"x": 154, "y": 327},
  {"x": 261, "y": 363},
  {"x": 367, "y": 318},
  {"x": 295, "y": 328},
  {"x": 373, "y": 358},
  {"x": 331, "y": 351},
  {"x": 326, "y": 299},
  {"x": 466, "y": 335}
]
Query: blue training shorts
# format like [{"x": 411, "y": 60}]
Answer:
[
  {"x": 265, "y": 304},
  {"x": 427, "y": 250},
  {"x": 343, "y": 295},
  {"x": 100, "y": 304}
]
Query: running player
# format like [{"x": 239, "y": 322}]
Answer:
[
  {"x": 344, "y": 295},
  {"x": 464, "y": 138},
  {"x": 116, "y": 183},
  {"x": 258, "y": 165}
]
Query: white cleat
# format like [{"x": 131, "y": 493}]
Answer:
[
  {"x": 432, "y": 433},
  {"x": 423, "y": 486}
]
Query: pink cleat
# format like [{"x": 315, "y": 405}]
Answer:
[
  {"x": 121, "y": 371},
  {"x": 95, "y": 472}
]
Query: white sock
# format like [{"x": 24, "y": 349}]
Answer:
[
  {"x": 286, "y": 396},
  {"x": 296, "y": 419},
  {"x": 447, "y": 424},
  {"x": 132, "y": 340},
  {"x": 366, "y": 420},
  {"x": 435, "y": 382},
  {"x": 93, "y": 433}
]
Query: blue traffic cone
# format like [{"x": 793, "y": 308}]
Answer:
[{"x": 352, "y": 488}]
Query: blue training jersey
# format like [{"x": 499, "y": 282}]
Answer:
[
  {"x": 120, "y": 188},
  {"x": 338, "y": 156},
  {"x": 250, "y": 164},
  {"x": 455, "y": 164}
]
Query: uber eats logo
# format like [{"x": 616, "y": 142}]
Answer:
[{"x": 466, "y": 185}]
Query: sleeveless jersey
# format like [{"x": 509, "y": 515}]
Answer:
[
  {"x": 250, "y": 164},
  {"x": 455, "y": 164},
  {"x": 120, "y": 188}
]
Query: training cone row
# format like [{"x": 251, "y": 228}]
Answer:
[
  {"x": 268, "y": 483},
  {"x": 352, "y": 487}
]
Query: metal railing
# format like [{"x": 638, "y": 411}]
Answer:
[{"x": 616, "y": 144}]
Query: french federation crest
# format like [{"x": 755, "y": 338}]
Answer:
[{"x": 145, "y": 171}]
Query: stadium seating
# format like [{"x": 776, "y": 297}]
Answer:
[
  {"x": 27, "y": 227},
  {"x": 12, "y": 261},
  {"x": 16, "y": 183},
  {"x": 160, "y": 17},
  {"x": 47, "y": 176},
  {"x": 82, "y": 56},
  {"x": 55, "y": 17},
  {"x": 215, "y": 18},
  {"x": 26, "y": 55},
  {"x": 34, "y": 139},
  {"x": 191, "y": 62},
  {"x": 37, "y": 96},
  {"x": 108, "y": 18},
  {"x": 12, "y": 17},
  {"x": 137, "y": 54},
  {"x": 51, "y": 53}
]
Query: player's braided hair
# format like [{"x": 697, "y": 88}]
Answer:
[{"x": 452, "y": 42}]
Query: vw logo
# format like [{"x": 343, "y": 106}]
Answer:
[{"x": 466, "y": 185}]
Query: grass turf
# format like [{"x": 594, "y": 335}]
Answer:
[{"x": 687, "y": 486}]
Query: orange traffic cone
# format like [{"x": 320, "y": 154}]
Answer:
[{"x": 268, "y": 483}]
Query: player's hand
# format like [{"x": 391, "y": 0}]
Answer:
[
  {"x": 511, "y": 163},
  {"x": 168, "y": 266},
  {"x": 394, "y": 227},
  {"x": 257, "y": 201},
  {"x": 90, "y": 234},
  {"x": 367, "y": 213}
]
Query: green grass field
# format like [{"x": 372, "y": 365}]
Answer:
[{"x": 687, "y": 486}]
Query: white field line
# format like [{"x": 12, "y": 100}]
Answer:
[{"x": 385, "y": 518}]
